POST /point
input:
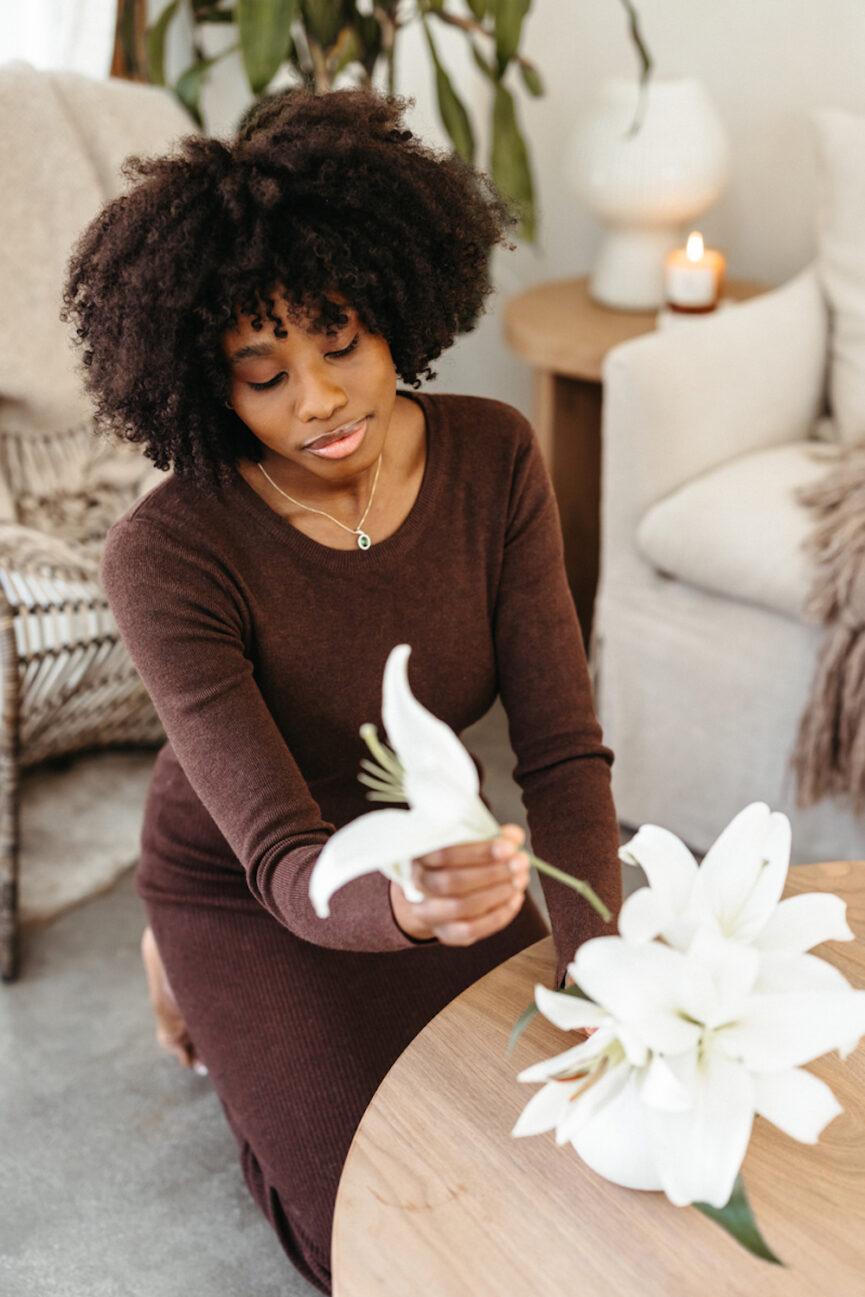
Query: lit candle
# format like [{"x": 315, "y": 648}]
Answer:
[{"x": 694, "y": 277}]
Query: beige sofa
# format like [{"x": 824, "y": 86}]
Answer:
[{"x": 703, "y": 657}]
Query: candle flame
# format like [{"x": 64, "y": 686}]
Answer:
[{"x": 694, "y": 250}]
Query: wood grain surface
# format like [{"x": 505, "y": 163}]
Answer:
[
  {"x": 437, "y": 1197},
  {"x": 558, "y": 328}
]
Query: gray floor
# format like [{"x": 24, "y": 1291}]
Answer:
[{"x": 118, "y": 1176}]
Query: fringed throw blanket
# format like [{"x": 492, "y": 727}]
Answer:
[{"x": 829, "y": 756}]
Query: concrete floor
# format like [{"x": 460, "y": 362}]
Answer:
[{"x": 118, "y": 1175}]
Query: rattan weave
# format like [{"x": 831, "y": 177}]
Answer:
[{"x": 67, "y": 683}]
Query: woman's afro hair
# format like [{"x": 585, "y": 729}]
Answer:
[{"x": 316, "y": 195}]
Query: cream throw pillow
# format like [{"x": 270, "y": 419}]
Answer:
[
  {"x": 841, "y": 239},
  {"x": 739, "y": 530}
]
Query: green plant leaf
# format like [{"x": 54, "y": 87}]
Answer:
[
  {"x": 531, "y": 79},
  {"x": 478, "y": 8},
  {"x": 509, "y": 162},
  {"x": 737, "y": 1219},
  {"x": 531, "y": 1009},
  {"x": 487, "y": 68},
  {"x": 264, "y": 28},
  {"x": 323, "y": 20},
  {"x": 188, "y": 85},
  {"x": 155, "y": 43},
  {"x": 452, "y": 110},
  {"x": 508, "y": 17}
]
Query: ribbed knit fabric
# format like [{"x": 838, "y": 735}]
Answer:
[{"x": 263, "y": 651}]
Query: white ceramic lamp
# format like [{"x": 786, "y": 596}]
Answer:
[{"x": 646, "y": 185}]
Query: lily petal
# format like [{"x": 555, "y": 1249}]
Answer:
[
  {"x": 584, "y": 1107},
  {"x": 641, "y": 986},
  {"x": 379, "y": 840},
  {"x": 425, "y": 745},
  {"x": 801, "y": 922},
  {"x": 796, "y": 1102},
  {"x": 667, "y": 863},
  {"x": 742, "y": 876},
  {"x": 782, "y": 974},
  {"x": 572, "y": 1060},
  {"x": 615, "y": 1143},
  {"x": 544, "y": 1110},
  {"x": 569, "y": 1012},
  {"x": 660, "y": 1087},
  {"x": 721, "y": 976},
  {"x": 643, "y": 915},
  {"x": 698, "y": 1152},
  {"x": 781, "y": 1031}
]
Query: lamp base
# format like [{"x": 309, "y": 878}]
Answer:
[{"x": 629, "y": 270}]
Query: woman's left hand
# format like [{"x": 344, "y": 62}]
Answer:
[{"x": 470, "y": 891}]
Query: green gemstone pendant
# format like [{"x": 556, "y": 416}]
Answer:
[{"x": 363, "y": 541}]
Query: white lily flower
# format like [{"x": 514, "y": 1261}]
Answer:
[
  {"x": 736, "y": 891},
  {"x": 600, "y": 1085},
  {"x": 428, "y": 768},
  {"x": 749, "y": 1037}
]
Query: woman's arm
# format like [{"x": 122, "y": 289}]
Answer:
[
  {"x": 562, "y": 767},
  {"x": 185, "y": 625}
]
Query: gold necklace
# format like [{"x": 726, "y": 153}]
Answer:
[{"x": 363, "y": 540}]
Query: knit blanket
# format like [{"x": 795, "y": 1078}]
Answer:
[{"x": 829, "y": 755}]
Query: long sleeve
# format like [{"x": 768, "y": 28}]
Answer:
[
  {"x": 186, "y": 624},
  {"x": 563, "y": 767}
]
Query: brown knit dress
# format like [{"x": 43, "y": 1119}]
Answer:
[{"x": 263, "y": 651}]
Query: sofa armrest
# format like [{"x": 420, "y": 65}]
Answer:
[{"x": 681, "y": 401}]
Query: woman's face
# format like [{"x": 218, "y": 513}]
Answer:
[{"x": 319, "y": 402}]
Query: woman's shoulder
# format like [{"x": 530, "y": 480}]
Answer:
[
  {"x": 178, "y": 522},
  {"x": 479, "y": 416}
]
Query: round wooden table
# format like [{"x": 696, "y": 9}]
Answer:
[
  {"x": 437, "y": 1198},
  {"x": 565, "y": 335}
]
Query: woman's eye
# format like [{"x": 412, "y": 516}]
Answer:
[
  {"x": 346, "y": 350},
  {"x": 271, "y": 382}
]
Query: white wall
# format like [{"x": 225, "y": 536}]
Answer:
[{"x": 766, "y": 63}]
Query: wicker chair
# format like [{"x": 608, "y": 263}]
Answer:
[{"x": 67, "y": 684}]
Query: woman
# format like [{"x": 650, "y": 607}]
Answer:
[{"x": 244, "y": 311}]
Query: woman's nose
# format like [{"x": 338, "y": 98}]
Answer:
[{"x": 319, "y": 395}]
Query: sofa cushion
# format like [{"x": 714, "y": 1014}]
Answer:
[
  {"x": 841, "y": 240},
  {"x": 739, "y": 530}
]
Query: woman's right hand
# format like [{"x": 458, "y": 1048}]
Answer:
[{"x": 470, "y": 891}]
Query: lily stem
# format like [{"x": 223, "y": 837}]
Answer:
[{"x": 587, "y": 892}]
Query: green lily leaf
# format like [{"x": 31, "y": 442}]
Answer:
[
  {"x": 155, "y": 44},
  {"x": 508, "y": 16},
  {"x": 452, "y": 110},
  {"x": 478, "y": 8},
  {"x": 264, "y": 28},
  {"x": 532, "y": 79},
  {"x": 737, "y": 1219},
  {"x": 531, "y": 1009},
  {"x": 188, "y": 85},
  {"x": 509, "y": 162}
]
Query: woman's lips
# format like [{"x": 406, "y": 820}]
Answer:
[{"x": 339, "y": 445}]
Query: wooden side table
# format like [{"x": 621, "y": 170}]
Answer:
[{"x": 565, "y": 336}]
